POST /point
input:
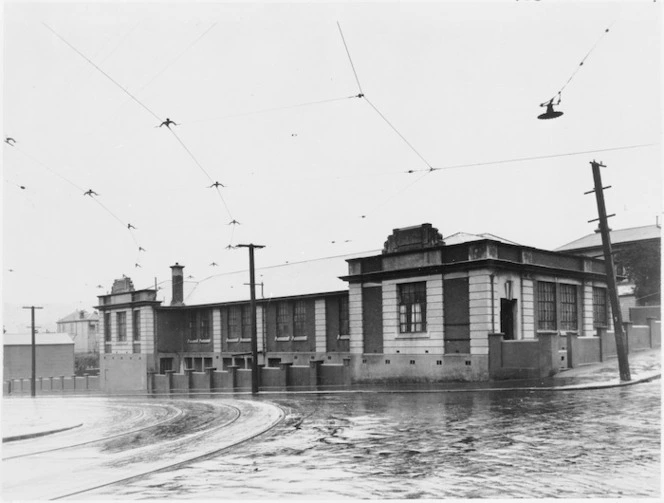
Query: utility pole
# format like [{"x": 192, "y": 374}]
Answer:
[
  {"x": 254, "y": 331},
  {"x": 621, "y": 347},
  {"x": 33, "y": 380}
]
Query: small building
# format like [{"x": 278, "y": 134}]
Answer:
[
  {"x": 421, "y": 310},
  {"x": 82, "y": 327},
  {"x": 54, "y": 355}
]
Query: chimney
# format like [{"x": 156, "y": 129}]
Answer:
[{"x": 178, "y": 285}]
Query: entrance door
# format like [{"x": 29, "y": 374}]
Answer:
[
  {"x": 372, "y": 319},
  {"x": 507, "y": 318}
]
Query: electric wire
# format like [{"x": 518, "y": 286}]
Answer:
[
  {"x": 397, "y": 132},
  {"x": 534, "y": 158},
  {"x": 78, "y": 188},
  {"x": 343, "y": 39},
  {"x": 104, "y": 73},
  {"x": 559, "y": 93},
  {"x": 177, "y": 57}
]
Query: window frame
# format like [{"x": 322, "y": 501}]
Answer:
[
  {"x": 344, "y": 317},
  {"x": 568, "y": 300},
  {"x": 547, "y": 312},
  {"x": 412, "y": 307},
  {"x": 136, "y": 325},
  {"x": 121, "y": 321},
  {"x": 600, "y": 320},
  {"x": 299, "y": 320}
]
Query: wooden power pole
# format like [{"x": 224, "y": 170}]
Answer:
[
  {"x": 33, "y": 379},
  {"x": 621, "y": 346},
  {"x": 254, "y": 331}
]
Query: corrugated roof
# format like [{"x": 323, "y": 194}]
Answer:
[
  {"x": 618, "y": 236},
  {"x": 464, "y": 237},
  {"x": 41, "y": 339},
  {"x": 76, "y": 316},
  {"x": 298, "y": 278}
]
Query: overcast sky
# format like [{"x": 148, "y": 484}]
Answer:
[{"x": 461, "y": 83}]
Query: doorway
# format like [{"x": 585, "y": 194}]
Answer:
[{"x": 507, "y": 318}]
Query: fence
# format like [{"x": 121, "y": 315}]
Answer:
[
  {"x": 315, "y": 376},
  {"x": 551, "y": 351},
  {"x": 48, "y": 385}
]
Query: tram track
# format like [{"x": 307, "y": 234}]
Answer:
[
  {"x": 180, "y": 413},
  {"x": 193, "y": 459}
]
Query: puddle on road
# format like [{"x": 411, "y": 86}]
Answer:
[{"x": 436, "y": 445}]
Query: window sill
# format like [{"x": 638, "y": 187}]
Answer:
[
  {"x": 244, "y": 339},
  {"x": 343, "y": 337},
  {"x": 282, "y": 339},
  {"x": 232, "y": 340},
  {"x": 302, "y": 338},
  {"x": 414, "y": 335}
]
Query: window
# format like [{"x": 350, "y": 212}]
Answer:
[
  {"x": 568, "y": 308},
  {"x": 204, "y": 325},
  {"x": 234, "y": 322},
  {"x": 107, "y": 327},
  {"x": 344, "y": 320},
  {"x": 121, "y": 319},
  {"x": 600, "y": 314},
  {"x": 136, "y": 325},
  {"x": 300, "y": 319},
  {"x": 412, "y": 307},
  {"x": 246, "y": 322},
  {"x": 546, "y": 306},
  {"x": 283, "y": 323},
  {"x": 165, "y": 365}
]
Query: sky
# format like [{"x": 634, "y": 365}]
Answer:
[{"x": 265, "y": 100}]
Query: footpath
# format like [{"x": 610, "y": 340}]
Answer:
[{"x": 38, "y": 420}]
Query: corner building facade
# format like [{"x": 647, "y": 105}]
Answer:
[{"x": 421, "y": 311}]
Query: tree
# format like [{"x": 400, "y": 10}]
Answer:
[{"x": 642, "y": 263}]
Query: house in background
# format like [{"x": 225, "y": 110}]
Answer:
[
  {"x": 638, "y": 245},
  {"x": 54, "y": 355},
  {"x": 422, "y": 310},
  {"x": 82, "y": 327}
]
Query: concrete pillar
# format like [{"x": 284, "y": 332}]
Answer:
[
  {"x": 548, "y": 353},
  {"x": 572, "y": 348},
  {"x": 495, "y": 353},
  {"x": 169, "y": 375},
  {"x": 347, "y": 372},
  {"x": 210, "y": 373},
  {"x": 314, "y": 373},
  {"x": 286, "y": 369}
]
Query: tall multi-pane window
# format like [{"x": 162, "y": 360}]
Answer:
[
  {"x": 600, "y": 314},
  {"x": 283, "y": 323},
  {"x": 344, "y": 320},
  {"x": 412, "y": 307},
  {"x": 569, "y": 314},
  {"x": 300, "y": 319},
  {"x": 136, "y": 325},
  {"x": 121, "y": 320},
  {"x": 204, "y": 325},
  {"x": 246, "y": 322},
  {"x": 546, "y": 306},
  {"x": 107, "y": 327},
  {"x": 234, "y": 322}
]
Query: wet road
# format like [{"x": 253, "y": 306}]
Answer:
[{"x": 594, "y": 443}]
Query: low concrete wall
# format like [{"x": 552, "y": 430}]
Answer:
[
  {"x": 180, "y": 383},
  {"x": 47, "y": 385},
  {"x": 420, "y": 368},
  {"x": 160, "y": 383},
  {"x": 523, "y": 353},
  {"x": 300, "y": 377},
  {"x": 656, "y": 333},
  {"x": 200, "y": 381},
  {"x": 584, "y": 350},
  {"x": 243, "y": 380},
  {"x": 273, "y": 378},
  {"x": 638, "y": 337},
  {"x": 640, "y": 315},
  {"x": 334, "y": 375}
]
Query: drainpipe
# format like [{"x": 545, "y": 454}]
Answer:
[
  {"x": 521, "y": 328},
  {"x": 493, "y": 320}
]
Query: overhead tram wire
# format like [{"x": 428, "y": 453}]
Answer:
[
  {"x": 104, "y": 73},
  {"x": 78, "y": 188},
  {"x": 382, "y": 116},
  {"x": 141, "y": 104}
]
